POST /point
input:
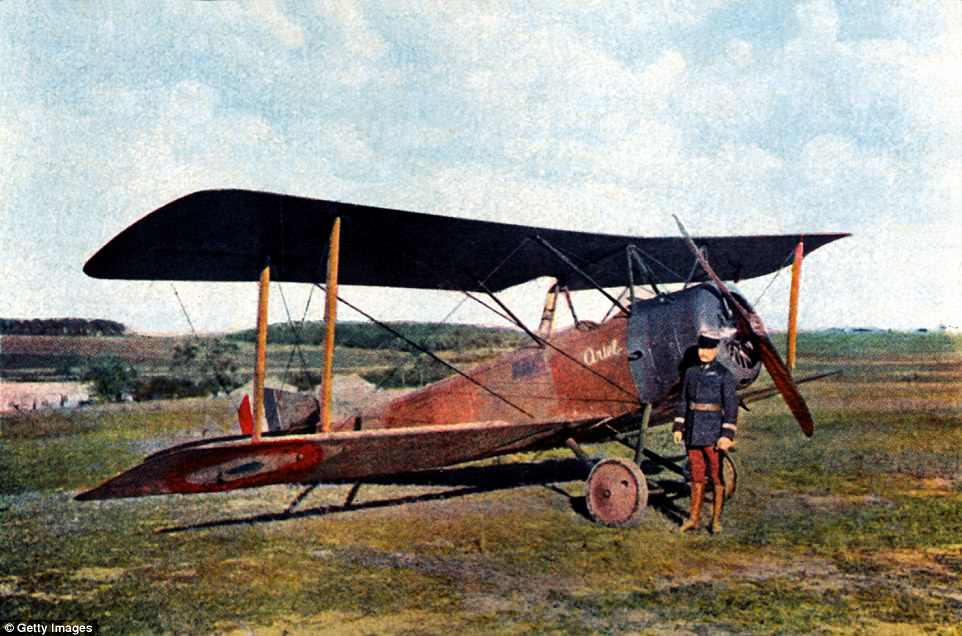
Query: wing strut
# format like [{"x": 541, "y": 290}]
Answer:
[
  {"x": 634, "y": 257},
  {"x": 330, "y": 322},
  {"x": 561, "y": 256},
  {"x": 547, "y": 314},
  {"x": 793, "y": 303},
  {"x": 261, "y": 359}
]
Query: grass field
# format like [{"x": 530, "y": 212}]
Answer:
[{"x": 857, "y": 530}]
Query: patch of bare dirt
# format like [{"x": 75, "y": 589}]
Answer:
[
  {"x": 838, "y": 502},
  {"x": 816, "y": 573},
  {"x": 785, "y": 501},
  {"x": 936, "y": 487},
  {"x": 932, "y": 563}
]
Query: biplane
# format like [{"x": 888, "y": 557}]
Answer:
[{"x": 593, "y": 382}]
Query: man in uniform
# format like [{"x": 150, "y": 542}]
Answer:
[{"x": 706, "y": 423}]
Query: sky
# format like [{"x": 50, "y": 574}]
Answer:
[{"x": 740, "y": 117}]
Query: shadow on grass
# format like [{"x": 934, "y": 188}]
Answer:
[{"x": 462, "y": 482}]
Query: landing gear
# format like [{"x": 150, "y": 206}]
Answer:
[{"x": 616, "y": 492}]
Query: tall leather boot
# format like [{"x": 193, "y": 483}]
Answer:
[
  {"x": 694, "y": 516},
  {"x": 716, "y": 509}
]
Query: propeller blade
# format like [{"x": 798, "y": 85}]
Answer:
[
  {"x": 782, "y": 379},
  {"x": 781, "y": 376},
  {"x": 751, "y": 319}
]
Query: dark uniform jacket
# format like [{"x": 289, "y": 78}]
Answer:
[{"x": 708, "y": 383}]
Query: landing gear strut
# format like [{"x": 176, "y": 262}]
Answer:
[{"x": 616, "y": 491}]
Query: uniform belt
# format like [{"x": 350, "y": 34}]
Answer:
[{"x": 702, "y": 406}]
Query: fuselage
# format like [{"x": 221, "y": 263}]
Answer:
[
  {"x": 588, "y": 383},
  {"x": 591, "y": 371}
]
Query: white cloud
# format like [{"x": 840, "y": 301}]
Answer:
[
  {"x": 554, "y": 81},
  {"x": 739, "y": 52},
  {"x": 358, "y": 36},
  {"x": 583, "y": 116},
  {"x": 661, "y": 15},
  {"x": 543, "y": 77},
  {"x": 818, "y": 22},
  {"x": 660, "y": 79},
  {"x": 192, "y": 102},
  {"x": 288, "y": 32},
  {"x": 353, "y": 50}
]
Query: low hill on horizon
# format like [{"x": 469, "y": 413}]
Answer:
[
  {"x": 366, "y": 335},
  {"x": 61, "y": 327}
]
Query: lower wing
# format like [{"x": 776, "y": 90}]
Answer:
[{"x": 235, "y": 462}]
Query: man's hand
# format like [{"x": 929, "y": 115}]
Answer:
[
  {"x": 677, "y": 436},
  {"x": 724, "y": 444}
]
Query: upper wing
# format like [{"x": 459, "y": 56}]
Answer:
[
  {"x": 229, "y": 235},
  {"x": 233, "y": 463}
]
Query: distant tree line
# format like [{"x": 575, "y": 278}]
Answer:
[
  {"x": 61, "y": 327},
  {"x": 198, "y": 368},
  {"x": 365, "y": 335}
]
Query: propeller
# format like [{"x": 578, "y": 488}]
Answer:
[{"x": 752, "y": 322}]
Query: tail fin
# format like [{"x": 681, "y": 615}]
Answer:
[
  {"x": 284, "y": 411},
  {"x": 245, "y": 416}
]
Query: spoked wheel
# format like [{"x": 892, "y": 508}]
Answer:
[
  {"x": 729, "y": 475},
  {"x": 616, "y": 492}
]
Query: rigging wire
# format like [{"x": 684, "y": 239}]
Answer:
[
  {"x": 296, "y": 333},
  {"x": 514, "y": 318},
  {"x": 383, "y": 381},
  {"x": 549, "y": 344},
  {"x": 484, "y": 304},
  {"x": 655, "y": 260},
  {"x": 184, "y": 309},
  {"x": 430, "y": 353},
  {"x": 694, "y": 268},
  {"x": 507, "y": 258},
  {"x": 426, "y": 351},
  {"x": 421, "y": 263},
  {"x": 542, "y": 342},
  {"x": 778, "y": 271},
  {"x": 193, "y": 331},
  {"x": 564, "y": 258},
  {"x": 611, "y": 309},
  {"x": 571, "y": 306},
  {"x": 300, "y": 330}
]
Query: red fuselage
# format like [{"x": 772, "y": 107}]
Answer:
[
  {"x": 543, "y": 383},
  {"x": 591, "y": 371}
]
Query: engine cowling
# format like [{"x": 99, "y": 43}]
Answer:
[{"x": 662, "y": 336}]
